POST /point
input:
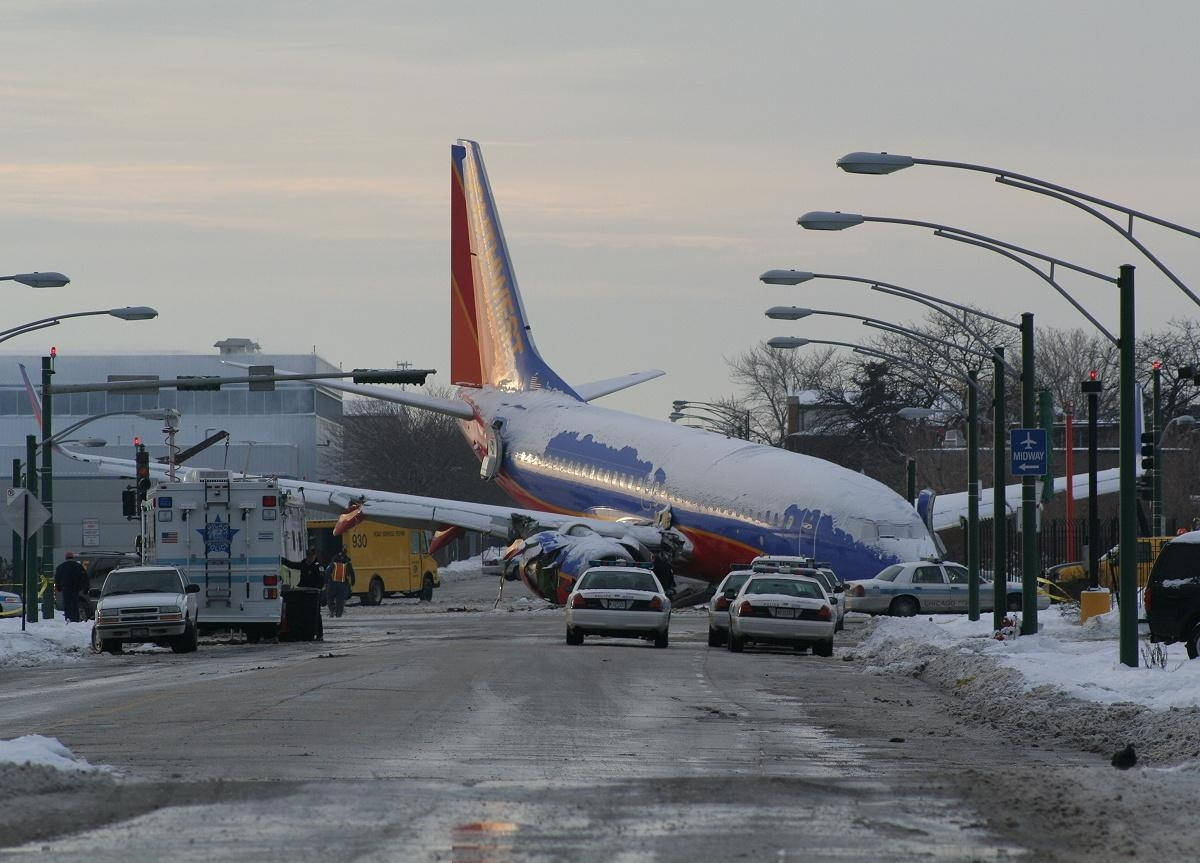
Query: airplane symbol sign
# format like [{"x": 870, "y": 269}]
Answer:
[{"x": 1028, "y": 452}]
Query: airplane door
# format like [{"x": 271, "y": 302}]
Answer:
[{"x": 490, "y": 466}]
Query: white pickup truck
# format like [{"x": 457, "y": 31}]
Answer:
[{"x": 140, "y": 604}]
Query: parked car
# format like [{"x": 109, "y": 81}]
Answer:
[
  {"x": 778, "y": 608},
  {"x": 618, "y": 601},
  {"x": 921, "y": 586},
  {"x": 820, "y": 570},
  {"x": 1172, "y": 594},
  {"x": 10, "y": 604},
  {"x": 140, "y": 604},
  {"x": 718, "y": 606}
]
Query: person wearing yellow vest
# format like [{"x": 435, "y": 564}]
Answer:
[{"x": 338, "y": 579}]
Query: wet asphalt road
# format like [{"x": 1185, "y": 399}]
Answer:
[{"x": 473, "y": 737}]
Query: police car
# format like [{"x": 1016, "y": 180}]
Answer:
[{"x": 619, "y": 602}]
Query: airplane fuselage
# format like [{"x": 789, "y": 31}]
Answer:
[{"x": 733, "y": 499}]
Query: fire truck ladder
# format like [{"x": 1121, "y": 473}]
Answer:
[{"x": 218, "y": 569}]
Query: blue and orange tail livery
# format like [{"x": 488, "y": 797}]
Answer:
[{"x": 491, "y": 339}]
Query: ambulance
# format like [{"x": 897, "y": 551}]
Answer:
[{"x": 231, "y": 536}]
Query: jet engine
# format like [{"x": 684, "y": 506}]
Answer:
[{"x": 549, "y": 561}]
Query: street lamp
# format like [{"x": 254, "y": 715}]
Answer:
[
  {"x": 127, "y": 313},
  {"x": 836, "y": 221},
  {"x": 38, "y": 280},
  {"x": 971, "y": 377},
  {"x": 885, "y": 163},
  {"x": 727, "y": 414}
]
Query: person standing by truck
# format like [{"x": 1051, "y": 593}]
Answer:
[
  {"x": 71, "y": 578},
  {"x": 340, "y": 576}
]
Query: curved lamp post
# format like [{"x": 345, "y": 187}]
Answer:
[
  {"x": 125, "y": 313},
  {"x": 885, "y": 163},
  {"x": 971, "y": 378},
  {"x": 822, "y": 220},
  {"x": 731, "y": 416}
]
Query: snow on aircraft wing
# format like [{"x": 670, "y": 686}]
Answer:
[
  {"x": 594, "y": 390},
  {"x": 949, "y": 508},
  {"x": 407, "y": 510}
]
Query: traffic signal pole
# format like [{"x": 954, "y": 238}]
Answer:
[
  {"x": 31, "y": 572},
  {"x": 999, "y": 505},
  {"x": 1029, "y": 544},
  {"x": 1156, "y": 503},
  {"x": 47, "y": 486}
]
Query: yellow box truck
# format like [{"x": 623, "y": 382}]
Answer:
[{"x": 388, "y": 560}]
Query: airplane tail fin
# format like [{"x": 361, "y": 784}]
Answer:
[
  {"x": 34, "y": 401},
  {"x": 491, "y": 339}
]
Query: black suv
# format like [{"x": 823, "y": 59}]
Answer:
[{"x": 1172, "y": 595}]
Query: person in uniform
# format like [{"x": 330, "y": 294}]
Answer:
[{"x": 340, "y": 576}]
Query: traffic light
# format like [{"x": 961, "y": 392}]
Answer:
[
  {"x": 1147, "y": 450},
  {"x": 129, "y": 502},
  {"x": 197, "y": 382},
  {"x": 142, "y": 463},
  {"x": 1145, "y": 487},
  {"x": 389, "y": 376}
]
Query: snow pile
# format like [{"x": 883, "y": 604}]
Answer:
[
  {"x": 46, "y": 642},
  {"x": 1081, "y": 661},
  {"x": 45, "y": 752}
]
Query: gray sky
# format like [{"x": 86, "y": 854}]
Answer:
[{"x": 279, "y": 170}]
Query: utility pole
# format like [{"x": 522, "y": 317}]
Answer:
[
  {"x": 31, "y": 571},
  {"x": 999, "y": 509},
  {"x": 1091, "y": 388}
]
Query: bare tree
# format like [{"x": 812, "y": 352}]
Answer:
[
  {"x": 765, "y": 377},
  {"x": 396, "y": 448}
]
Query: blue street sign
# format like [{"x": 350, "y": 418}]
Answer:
[{"x": 1027, "y": 451}]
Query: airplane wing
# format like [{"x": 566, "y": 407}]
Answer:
[
  {"x": 949, "y": 508},
  {"x": 450, "y": 407},
  {"x": 594, "y": 390}
]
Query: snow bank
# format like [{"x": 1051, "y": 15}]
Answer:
[
  {"x": 44, "y": 751},
  {"x": 1081, "y": 661},
  {"x": 46, "y": 642}
]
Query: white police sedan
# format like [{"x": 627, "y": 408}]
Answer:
[
  {"x": 926, "y": 586},
  {"x": 620, "y": 602},
  {"x": 774, "y": 608},
  {"x": 10, "y": 604},
  {"x": 718, "y": 606}
]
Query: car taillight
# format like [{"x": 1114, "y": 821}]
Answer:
[
  {"x": 856, "y": 590},
  {"x": 745, "y": 609},
  {"x": 270, "y": 580},
  {"x": 656, "y": 603},
  {"x": 578, "y": 601},
  {"x": 825, "y": 613},
  {"x": 722, "y": 603}
]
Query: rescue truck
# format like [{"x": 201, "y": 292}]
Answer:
[
  {"x": 230, "y": 536},
  {"x": 388, "y": 560}
]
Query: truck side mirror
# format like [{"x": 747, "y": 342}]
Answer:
[
  {"x": 192, "y": 588},
  {"x": 94, "y": 593}
]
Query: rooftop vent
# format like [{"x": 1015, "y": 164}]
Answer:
[{"x": 237, "y": 346}]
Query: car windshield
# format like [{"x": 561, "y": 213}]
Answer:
[
  {"x": 890, "y": 573},
  {"x": 786, "y": 587},
  {"x": 623, "y": 580},
  {"x": 142, "y": 581}
]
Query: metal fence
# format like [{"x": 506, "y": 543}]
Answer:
[{"x": 1054, "y": 542}]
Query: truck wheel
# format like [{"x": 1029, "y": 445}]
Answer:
[
  {"x": 187, "y": 642},
  {"x": 374, "y": 592},
  {"x": 427, "y": 588},
  {"x": 109, "y": 645},
  {"x": 1193, "y": 642},
  {"x": 660, "y": 640}
]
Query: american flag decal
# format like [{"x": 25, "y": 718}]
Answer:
[{"x": 170, "y": 536}]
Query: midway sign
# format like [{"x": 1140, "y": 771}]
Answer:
[{"x": 1027, "y": 451}]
